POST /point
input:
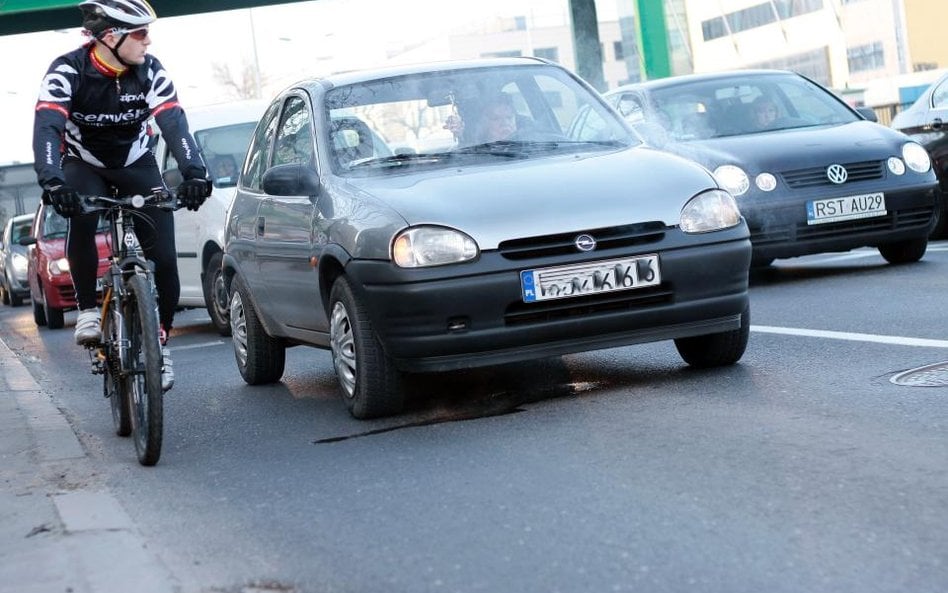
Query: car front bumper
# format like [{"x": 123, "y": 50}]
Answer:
[
  {"x": 474, "y": 314},
  {"x": 779, "y": 227}
]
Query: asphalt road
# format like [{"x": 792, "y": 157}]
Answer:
[{"x": 801, "y": 469}]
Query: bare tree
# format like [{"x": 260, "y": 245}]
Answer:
[{"x": 242, "y": 87}]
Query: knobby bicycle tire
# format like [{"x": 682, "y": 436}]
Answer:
[
  {"x": 115, "y": 388},
  {"x": 144, "y": 359}
]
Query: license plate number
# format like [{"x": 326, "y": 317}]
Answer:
[
  {"x": 591, "y": 278},
  {"x": 848, "y": 208}
]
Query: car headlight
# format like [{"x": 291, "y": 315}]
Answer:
[
  {"x": 712, "y": 210},
  {"x": 19, "y": 262},
  {"x": 916, "y": 157},
  {"x": 432, "y": 246},
  {"x": 58, "y": 266},
  {"x": 732, "y": 178}
]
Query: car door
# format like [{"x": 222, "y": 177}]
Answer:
[
  {"x": 285, "y": 227},
  {"x": 929, "y": 126}
]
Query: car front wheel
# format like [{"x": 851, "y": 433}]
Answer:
[
  {"x": 370, "y": 383},
  {"x": 719, "y": 349},
  {"x": 215, "y": 295},
  {"x": 904, "y": 252},
  {"x": 39, "y": 313},
  {"x": 54, "y": 315},
  {"x": 260, "y": 358}
]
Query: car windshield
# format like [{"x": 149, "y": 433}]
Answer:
[
  {"x": 743, "y": 105},
  {"x": 55, "y": 226},
  {"x": 466, "y": 115}
]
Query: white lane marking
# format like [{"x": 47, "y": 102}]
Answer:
[
  {"x": 193, "y": 346},
  {"x": 853, "y": 337}
]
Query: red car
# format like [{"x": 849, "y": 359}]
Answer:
[{"x": 51, "y": 288}]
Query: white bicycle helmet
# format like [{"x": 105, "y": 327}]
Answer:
[{"x": 101, "y": 15}]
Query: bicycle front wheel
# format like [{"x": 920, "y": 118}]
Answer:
[{"x": 144, "y": 362}]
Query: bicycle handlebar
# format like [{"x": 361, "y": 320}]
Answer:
[{"x": 164, "y": 200}]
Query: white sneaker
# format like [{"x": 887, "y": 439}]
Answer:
[
  {"x": 88, "y": 327},
  {"x": 167, "y": 369}
]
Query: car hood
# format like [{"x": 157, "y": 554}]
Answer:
[
  {"x": 546, "y": 195},
  {"x": 799, "y": 148}
]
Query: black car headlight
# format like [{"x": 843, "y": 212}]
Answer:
[
  {"x": 712, "y": 210},
  {"x": 432, "y": 246},
  {"x": 732, "y": 178}
]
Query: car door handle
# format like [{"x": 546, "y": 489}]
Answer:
[
  {"x": 937, "y": 123},
  {"x": 261, "y": 224}
]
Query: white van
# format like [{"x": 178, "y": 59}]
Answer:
[{"x": 222, "y": 132}]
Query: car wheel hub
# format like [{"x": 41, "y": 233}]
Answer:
[
  {"x": 342, "y": 343},
  {"x": 238, "y": 326}
]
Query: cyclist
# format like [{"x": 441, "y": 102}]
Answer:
[{"x": 91, "y": 132}]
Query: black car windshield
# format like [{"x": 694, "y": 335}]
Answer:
[
  {"x": 466, "y": 115},
  {"x": 742, "y": 105}
]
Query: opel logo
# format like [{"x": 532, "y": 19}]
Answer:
[
  {"x": 837, "y": 173},
  {"x": 585, "y": 243}
]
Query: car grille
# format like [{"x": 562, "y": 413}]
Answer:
[
  {"x": 816, "y": 176},
  {"x": 521, "y": 313},
  {"x": 565, "y": 243},
  {"x": 901, "y": 219}
]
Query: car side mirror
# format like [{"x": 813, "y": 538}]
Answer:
[
  {"x": 173, "y": 178},
  {"x": 868, "y": 113},
  {"x": 25, "y": 241},
  {"x": 294, "y": 179}
]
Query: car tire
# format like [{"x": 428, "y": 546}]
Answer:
[
  {"x": 904, "y": 252},
  {"x": 39, "y": 313},
  {"x": 715, "y": 350},
  {"x": 940, "y": 227},
  {"x": 215, "y": 295},
  {"x": 4, "y": 292},
  {"x": 15, "y": 299},
  {"x": 54, "y": 316},
  {"x": 370, "y": 383},
  {"x": 260, "y": 358}
]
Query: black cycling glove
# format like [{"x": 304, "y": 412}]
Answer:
[
  {"x": 193, "y": 192},
  {"x": 65, "y": 200}
]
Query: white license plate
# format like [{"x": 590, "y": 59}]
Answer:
[
  {"x": 848, "y": 208},
  {"x": 590, "y": 278}
]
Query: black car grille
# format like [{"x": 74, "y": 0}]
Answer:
[
  {"x": 565, "y": 243},
  {"x": 901, "y": 219},
  {"x": 521, "y": 313},
  {"x": 816, "y": 176}
]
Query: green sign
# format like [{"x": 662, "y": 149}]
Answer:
[{"x": 13, "y": 6}]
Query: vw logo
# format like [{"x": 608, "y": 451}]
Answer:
[
  {"x": 585, "y": 243},
  {"x": 837, "y": 173}
]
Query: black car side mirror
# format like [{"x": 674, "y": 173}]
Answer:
[
  {"x": 291, "y": 180},
  {"x": 868, "y": 113},
  {"x": 24, "y": 241}
]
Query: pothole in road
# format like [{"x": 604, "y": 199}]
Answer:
[{"x": 933, "y": 375}]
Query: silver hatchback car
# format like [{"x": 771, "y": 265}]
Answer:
[{"x": 453, "y": 215}]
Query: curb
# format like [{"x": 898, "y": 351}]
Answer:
[{"x": 54, "y": 535}]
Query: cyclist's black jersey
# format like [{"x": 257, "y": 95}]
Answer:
[{"x": 88, "y": 110}]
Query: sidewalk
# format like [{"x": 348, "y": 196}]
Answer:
[{"x": 61, "y": 530}]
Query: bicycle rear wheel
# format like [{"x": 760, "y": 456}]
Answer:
[
  {"x": 112, "y": 384},
  {"x": 144, "y": 362}
]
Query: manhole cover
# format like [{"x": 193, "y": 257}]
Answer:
[{"x": 933, "y": 375}]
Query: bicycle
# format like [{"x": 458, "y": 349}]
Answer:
[{"x": 129, "y": 354}]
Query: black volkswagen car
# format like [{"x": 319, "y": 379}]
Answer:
[{"x": 810, "y": 173}]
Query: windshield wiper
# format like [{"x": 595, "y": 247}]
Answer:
[{"x": 396, "y": 160}]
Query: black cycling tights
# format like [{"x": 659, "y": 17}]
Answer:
[{"x": 155, "y": 232}]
